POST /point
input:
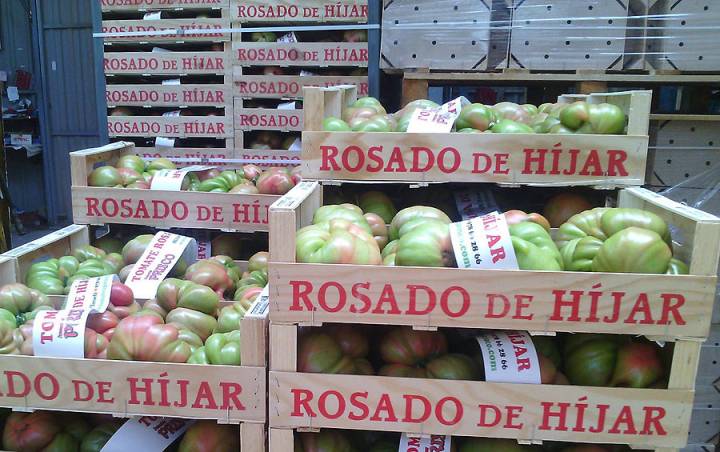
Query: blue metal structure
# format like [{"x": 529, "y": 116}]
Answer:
[{"x": 71, "y": 95}]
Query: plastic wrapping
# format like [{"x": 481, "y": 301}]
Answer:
[
  {"x": 550, "y": 34},
  {"x": 701, "y": 192}
]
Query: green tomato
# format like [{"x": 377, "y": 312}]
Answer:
[
  {"x": 509, "y": 126},
  {"x": 475, "y": 116},
  {"x": 104, "y": 176},
  {"x": 333, "y": 124},
  {"x": 224, "y": 348}
]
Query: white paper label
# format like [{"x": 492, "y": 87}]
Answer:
[
  {"x": 12, "y": 93},
  {"x": 154, "y": 15},
  {"x": 509, "y": 357},
  {"x": 147, "y": 433},
  {"x": 172, "y": 81},
  {"x": 204, "y": 248},
  {"x": 60, "y": 334},
  {"x": 287, "y": 106},
  {"x": 437, "y": 120},
  {"x": 288, "y": 37},
  {"x": 91, "y": 294},
  {"x": 162, "y": 253},
  {"x": 432, "y": 443},
  {"x": 171, "y": 179},
  {"x": 261, "y": 306},
  {"x": 483, "y": 242},
  {"x": 171, "y": 114},
  {"x": 160, "y": 50},
  {"x": 164, "y": 142},
  {"x": 296, "y": 146},
  {"x": 473, "y": 203}
]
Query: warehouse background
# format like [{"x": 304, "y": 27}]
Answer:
[{"x": 52, "y": 41}]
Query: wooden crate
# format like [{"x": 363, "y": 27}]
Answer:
[
  {"x": 680, "y": 36},
  {"x": 274, "y": 11},
  {"x": 295, "y": 286},
  {"x": 288, "y": 86},
  {"x": 441, "y": 35},
  {"x": 248, "y": 119},
  {"x": 455, "y": 157},
  {"x": 227, "y": 394},
  {"x": 683, "y": 149},
  {"x": 14, "y": 264},
  {"x": 294, "y": 303},
  {"x": 299, "y": 54},
  {"x": 154, "y": 5},
  {"x": 100, "y": 205},
  {"x": 584, "y": 34}
]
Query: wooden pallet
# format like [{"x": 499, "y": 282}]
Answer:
[
  {"x": 415, "y": 84},
  {"x": 284, "y": 11},
  {"x": 456, "y": 157},
  {"x": 159, "y": 208},
  {"x": 294, "y": 302}
]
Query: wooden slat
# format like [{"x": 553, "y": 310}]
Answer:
[
  {"x": 527, "y": 76},
  {"x": 283, "y": 347},
  {"x": 259, "y": 156},
  {"x": 513, "y": 159},
  {"x": 248, "y": 119},
  {"x": 177, "y": 26},
  {"x": 161, "y": 208},
  {"x": 454, "y": 407},
  {"x": 187, "y": 153},
  {"x": 289, "y": 86},
  {"x": 259, "y": 11},
  {"x": 166, "y": 63},
  {"x": 253, "y": 437},
  {"x": 254, "y": 341},
  {"x": 300, "y": 54},
  {"x": 194, "y": 95},
  {"x": 170, "y": 126},
  {"x": 123, "y": 383},
  {"x": 683, "y": 117},
  {"x": 153, "y": 5},
  {"x": 471, "y": 298},
  {"x": 281, "y": 439}
]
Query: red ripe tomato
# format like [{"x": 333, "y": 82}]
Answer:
[
  {"x": 563, "y": 206},
  {"x": 209, "y": 436},
  {"x": 407, "y": 346}
]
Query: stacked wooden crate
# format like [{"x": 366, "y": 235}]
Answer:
[
  {"x": 169, "y": 78},
  {"x": 269, "y": 77},
  {"x": 309, "y": 295}
]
